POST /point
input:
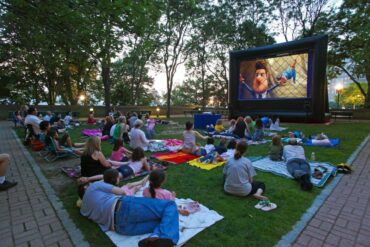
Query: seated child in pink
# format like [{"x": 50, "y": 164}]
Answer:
[
  {"x": 119, "y": 153},
  {"x": 156, "y": 178}
]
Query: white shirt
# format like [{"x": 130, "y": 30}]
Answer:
[
  {"x": 209, "y": 148},
  {"x": 46, "y": 118},
  {"x": 292, "y": 152},
  {"x": 67, "y": 119},
  {"x": 138, "y": 139},
  {"x": 111, "y": 132},
  {"x": 34, "y": 121}
]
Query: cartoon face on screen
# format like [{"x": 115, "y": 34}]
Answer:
[{"x": 260, "y": 85}]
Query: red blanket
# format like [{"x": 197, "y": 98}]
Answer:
[{"x": 174, "y": 157}]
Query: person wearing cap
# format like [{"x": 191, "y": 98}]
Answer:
[{"x": 137, "y": 136}]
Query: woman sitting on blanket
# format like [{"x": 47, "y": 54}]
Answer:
[
  {"x": 249, "y": 127},
  {"x": 113, "y": 209},
  {"x": 190, "y": 136},
  {"x": 240, "y": 127},
  {"x": 297, "y": 164},
  {"x": 239, "y": 173},
  {"x": 156, "y": 179},
  {"x": 53, "y": 136},
  {"x": 93, "y": 161},
  {"x": 135, "y": 165},
  {"x": 119, "y": 153}
]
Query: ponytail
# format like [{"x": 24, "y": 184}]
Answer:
[
  {"x": 241, "y": 147},
  {"x": 156, "y": 178}
]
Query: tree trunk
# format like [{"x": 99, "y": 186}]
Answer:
[
  {"x": 168, "y": 112},
  {"x": 106, "y": 82}
]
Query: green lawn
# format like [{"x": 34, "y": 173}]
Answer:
[{"x": 243, "y": 225}]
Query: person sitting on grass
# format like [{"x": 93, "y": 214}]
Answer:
[
  {"x": 230, "y": 150},
  {"x": 137, "y": 136},
  {"x": 239, "y": 173},
  {"x": 4, "y": 165},
  {"x": 258, "y": 131},
  {"x": 231, "y": 128},
  {"x": 219, "y": 127},
  {"x": 137, "y": 162},
  {"x": 91, "y": 119},
  {"x": 93, "y": 161},
  {"x": 121, "y": 130},
  {"x": 276, "y": 148},
  {"x": 240, "y": 127},
  {"x": 109, "y": 206},
  {"x": 53, "y": 136},
  {"x": 190, "y": 136},
  {"x": 119, "y": 152},
  {"x": 297, "y": 164}
]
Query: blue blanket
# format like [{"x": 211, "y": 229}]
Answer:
[{"x": 333, "y": 143}]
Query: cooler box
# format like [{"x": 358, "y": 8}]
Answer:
[{"x": 202, "y": 120}]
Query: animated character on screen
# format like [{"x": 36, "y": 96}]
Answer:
[
  {"x": 288, "y": 74},
  {"x": 260, "y": 86}
]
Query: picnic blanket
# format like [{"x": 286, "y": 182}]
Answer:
[
  {"x": 205, "y": 166},
  {"x": 320, "y": 143},
  {"x": 174, "y": 157},
  {"x": 173, "y": 144},
  {"x": 91, "y": 132},
  {"x": 157, "y": 146},
  {"x": 279, "y": 168},
  {"x": 189, "y": 226},
  {"x": 72, "y": 172}
]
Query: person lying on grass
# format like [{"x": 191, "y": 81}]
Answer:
[
  {"x": 239, "y": 173},
  {"x": 190, "y": 136},
  {"x": 53, "y": 136},
  {"x": 297, "y": 164},
  {"x": 137, "y": 162},
  {"x": 109, "y": 206}
]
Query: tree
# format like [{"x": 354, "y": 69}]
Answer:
[
  {"x": 351, "y": 95},
  {"x": 349, "y": 43}
]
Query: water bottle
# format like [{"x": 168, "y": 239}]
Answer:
[{"x": 313, "y": 156}]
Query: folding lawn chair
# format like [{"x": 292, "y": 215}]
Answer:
[{"x": 53, "y": 154}]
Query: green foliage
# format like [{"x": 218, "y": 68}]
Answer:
[{"x": 351, "y": 95}]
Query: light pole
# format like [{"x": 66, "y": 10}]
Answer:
[
  {"x": 158, "y": 110},
  {"x": 338, "y": 90}
]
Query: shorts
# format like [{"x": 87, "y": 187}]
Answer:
[
  {"x": 257, "y": 185},
  {"x": 126, "y": 171}
]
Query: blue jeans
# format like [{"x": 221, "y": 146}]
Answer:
[
  {"x": 139, "y": 215},
  {"x": 298, "y": 167}
]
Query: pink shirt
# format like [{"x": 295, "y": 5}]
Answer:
[
  {"x": 117, "y": 155},
  {"x": 159, "y": 194}
]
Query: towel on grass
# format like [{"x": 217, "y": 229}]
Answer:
[
  {"x": 189, "y": 226},
  {"x": 279, "y": 168},
  {"x": 205, "y": 166},
  {"x": 91, "y": 132},
  {"x": 322, "y": 143},
  {"x": 174, "y": 157}
]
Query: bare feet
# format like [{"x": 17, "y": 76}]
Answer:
[{"x": 259, "y": 195}]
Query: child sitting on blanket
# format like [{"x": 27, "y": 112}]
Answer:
[
  {"x": 276, "y": 148},
  {"x": 258, "y": 131},
  {"x": 231, "y": 127},
  {"x": 119, "y": 153},
  {"x": 230, "y": 150},
  {"x": 219, "y": 127},
  {"x": 209, "y": 147},
  {"x": 136, "y": 164},
  {"x": 156, "y": 179},
  {"x": 189, "y": 146}
]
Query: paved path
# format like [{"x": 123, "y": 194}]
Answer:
[
  {"x": 344, "y": 218},
  {"x": 27, "y": 217}
]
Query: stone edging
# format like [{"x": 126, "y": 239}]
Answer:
[
  {"x": 73, "y": 232},
  {"x": 290, "y": 237}
]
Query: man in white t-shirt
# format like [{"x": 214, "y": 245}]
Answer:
[{"x": 33, "y": 120}]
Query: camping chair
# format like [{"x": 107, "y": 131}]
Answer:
[{"x": 53, "y": 154}]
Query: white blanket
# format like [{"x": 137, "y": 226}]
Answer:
[{"x": 189, "y": 226}]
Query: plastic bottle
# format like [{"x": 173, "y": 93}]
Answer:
[{"x": 313, "y": 157}]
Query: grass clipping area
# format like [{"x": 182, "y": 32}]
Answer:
[{"x": 243, "y": 225}]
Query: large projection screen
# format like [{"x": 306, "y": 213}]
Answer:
[{"x": 287, "y": 80}]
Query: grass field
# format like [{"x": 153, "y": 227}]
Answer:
[{"x": 243, "y": 225}]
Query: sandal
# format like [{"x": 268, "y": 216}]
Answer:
[
  {"x": 262, "y": 203},
  {"x": 345, "y": 169},
  {"x": 270, "y": 207}
]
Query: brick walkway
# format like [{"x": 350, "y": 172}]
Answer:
[
  {"x": 344, "y": 218},
  {"x": 27, "y": 217}
]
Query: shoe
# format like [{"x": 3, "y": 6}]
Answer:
[
  {"x": 7, "y": 185},
  {"x": 156, "y": 242}
]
